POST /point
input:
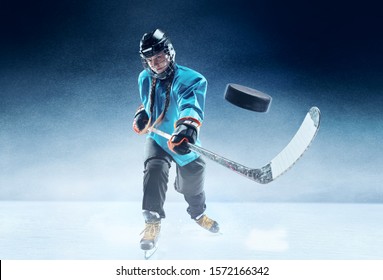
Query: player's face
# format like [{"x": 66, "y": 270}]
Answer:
[{"x": 159, "y": 62}]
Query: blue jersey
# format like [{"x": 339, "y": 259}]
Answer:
[{"x": 187, "y": 99}]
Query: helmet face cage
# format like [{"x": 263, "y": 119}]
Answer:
[{"x": 152, "y": 44}]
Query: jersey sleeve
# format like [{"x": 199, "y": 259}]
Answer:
[
  {"x": 143, "y": 87},
  {"x": 191, "y": 98}
]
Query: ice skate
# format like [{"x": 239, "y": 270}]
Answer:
[
  {"x": 151, "y": 234},
  {"x": 149, "y": 241},
  {"x": 207, "y": 223}
]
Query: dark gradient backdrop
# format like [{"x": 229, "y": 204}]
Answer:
[{"x": 68, "y": 72}]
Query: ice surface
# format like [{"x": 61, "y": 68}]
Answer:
[{"x": 111, "y": 230}]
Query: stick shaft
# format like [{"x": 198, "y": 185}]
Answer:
[{"x": 232, "y": 165}]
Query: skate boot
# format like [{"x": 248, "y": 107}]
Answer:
[
  {"x": 151, "y": 231},
  {"x": 151, "y": 234},
  {"x": 207, "y": 223}
]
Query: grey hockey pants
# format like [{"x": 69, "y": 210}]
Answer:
[{"x": 189, "y": 181}]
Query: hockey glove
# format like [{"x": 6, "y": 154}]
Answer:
[
  {"x": 141, "y": 119},
  {"x": 185, "y": 132}
]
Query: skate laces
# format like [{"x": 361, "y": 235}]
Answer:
[
  {"x": 151, "y": 231},
  {"x": 205, "y": 222}
]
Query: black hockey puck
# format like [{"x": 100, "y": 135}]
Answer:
[{"x": 247, "y": 98}]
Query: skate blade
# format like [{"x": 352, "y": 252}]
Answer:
[{"x": 149, "y": 253}]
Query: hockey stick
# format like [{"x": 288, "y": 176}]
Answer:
[{"x": 279, "y": 164}]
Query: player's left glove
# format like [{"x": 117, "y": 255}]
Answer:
[{"x": 186, "y": 131}]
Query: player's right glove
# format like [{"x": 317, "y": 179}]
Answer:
[
  {"x": 141, "y": 119},
  {"x": 186, "y": 131}
]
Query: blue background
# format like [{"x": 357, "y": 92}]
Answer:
[{"x": 68, "y": 89}]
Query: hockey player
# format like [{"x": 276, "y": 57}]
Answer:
[{"x": 173, "y": 100}]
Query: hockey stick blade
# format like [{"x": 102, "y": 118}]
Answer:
[{"x": 279, "y": 164}]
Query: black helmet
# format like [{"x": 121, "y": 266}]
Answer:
[{"x": 153, "y": 43}]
